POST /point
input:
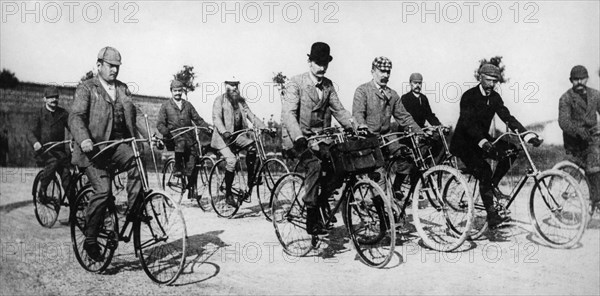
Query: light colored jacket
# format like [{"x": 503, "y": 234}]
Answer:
[
  {"x": 223, "y": 119},
  {"x": 370, "y": 107},
  {"x": 303, "y": 114}
]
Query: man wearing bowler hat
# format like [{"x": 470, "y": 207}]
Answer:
[
  {"x": 231, "y": 113},
  {"x": 177, "y": 113},
  {"x": 103, "y": 110},
  {"x": 577, "y": 112},
  {"x": 375, "y": 103},
  {"x": 307, "y": 105},
  {"x": 473, "y": 144},
  {"x": 48, "y": 125}
]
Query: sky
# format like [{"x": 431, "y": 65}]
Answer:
[{"x": 57, "y": 42}]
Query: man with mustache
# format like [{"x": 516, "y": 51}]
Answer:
[
  {"x": 374, "y": 105},
  {"x": 308, "y": 102},
  {"x": 577, "y": 112},
  {"x": 177, "y": 113},
  {"x": 48, "y": 125},
  {"x": 230, "y": 114},
  {"x": 103, "y": 110},
  {"x": 473, "y": 144}
]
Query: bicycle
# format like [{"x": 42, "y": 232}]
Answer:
[
  {"x": 267, "y": 171},
  {"x": 557, "y": 209},
  {"x": 158, "y": 227},
  {"x": 366, "y": 210},
  {"x": 440, "y": 225},
  {"x": 47, "y": 210},
  {"x": 202, "y": 168}
]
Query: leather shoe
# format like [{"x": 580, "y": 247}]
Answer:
[
  {"x": 496, "y": 220},
  {"x": 93, "y": 250},
  {"x": 499, "y": 195}
]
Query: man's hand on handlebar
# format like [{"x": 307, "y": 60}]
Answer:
[
  {"x": 37, "y": 146},
  {"x": 301, "y": 144},
  {"x": 87, "y": 145}
]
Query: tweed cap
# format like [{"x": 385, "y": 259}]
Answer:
[
  {"x": 415, "y": 77},
  {"x": 110, "y": 55},
  {"x": 579, "y": 72},
  {"x": 490, "y": 70},
  {"x": 177, "y": 84},
  {"x": 382, "y": 63},
  {"x": 50, "y": 91}
]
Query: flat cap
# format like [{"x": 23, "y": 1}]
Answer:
[
  {"x": 415, "y": 77},
  {"x": 490, "y": 70},
  {"x": 110, "y": 55},
  {"x": 232, "y": 80},
  {"x": 176, "y": 84},
  {"x": 382, "y": 63},
  {"x": 579, "y": 72},
  {"x": 50, "y": 91}
]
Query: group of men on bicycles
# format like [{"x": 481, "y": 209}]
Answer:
[{"x": 103, "y": 110}]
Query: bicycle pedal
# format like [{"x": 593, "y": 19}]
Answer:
[{"x": 112, "y": 241}]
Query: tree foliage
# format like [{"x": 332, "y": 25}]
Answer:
[
  {"x": 280, "y": 80},
  {"x": 496, "y": 61},
  {"x": 86, "y": 76},
  {"x": 187, "y": 76},
  {"x": 8, "y": 79}
]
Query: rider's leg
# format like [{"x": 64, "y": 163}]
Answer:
[
  {"x": 312, "y": 167},
  {"x": 502, "y": 168},
  {"x": 124, "y": 159},
  {"x": 250, "y": 163},
  {"x": 96, "y": 209},
  {"x": 50, "y": 166},
  {"x": 190, "y": 157},
  {"x": 230, "y": 162}
]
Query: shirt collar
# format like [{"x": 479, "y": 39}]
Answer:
[
  {"x": 51, "y": 111},
  {"x": 418, "y": 96},
  {"x": 314, "y": 79},
  {"x": 482, "y": 90},
  {"x": 379, "y": 87}
]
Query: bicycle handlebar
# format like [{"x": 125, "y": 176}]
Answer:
[
  {"x": 113, "y": 143},
  {"x": 47, "y": 147},
  {"x": 182, "y": 130}
]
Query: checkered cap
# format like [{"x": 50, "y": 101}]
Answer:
[{"x": 382, "y": 63}]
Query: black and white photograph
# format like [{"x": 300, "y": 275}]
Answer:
[{"x": 299, "y": 147}]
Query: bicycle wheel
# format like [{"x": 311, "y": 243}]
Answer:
[
  {"x": 47, "y": 208},
  {"x": 169, "y": 181},
  {"x": 459, "y": 203},
  {"x": 440, "y": 225},
  {"x": 557, "y": 209},
  {"x": 370, "y": 223},
  {"x": 203, "y": 167},
  {"x": 288, "y": 215},
  {"x": 217, "y": 189},
  {"x": 108, "y": 238},
  {"x": 269, "y": 173},
  {"x": 577, "y": 173},
  {"x": 160, "y": 238}
]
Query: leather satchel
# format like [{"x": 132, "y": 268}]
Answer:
[{"x": 357, "y": 156}]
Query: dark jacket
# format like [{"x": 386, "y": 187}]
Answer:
[
  {"x": 372, "y": 109},
  {"x": 49, "y": 126},
  {"x": 575, "y": 116},
  {"x": 91, "y": 116},
  {"x": 170, "y": 117},
  {"x": 476, "y": 114},
  {"x": 419, "y": 109}
]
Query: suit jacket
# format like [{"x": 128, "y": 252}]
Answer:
[
  {"x": 303, "y": 114},
  {"x": 419, "y": 108},
  {"x": 91, "y": 116},
  {"x": 223, "y": 119},
  {"x": 576, "y": 115},
  {"x": 49, "y": 126},
  {"x": 170, "y": 117},
  {"x": 372, "y": 109},
  {"x": 476, "y": 114}
]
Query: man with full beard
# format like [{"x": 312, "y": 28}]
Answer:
[
  {"x": 577, "y": 113},
  {"x": 230, "y": 114},
  {"x": 473, "y": 144}
]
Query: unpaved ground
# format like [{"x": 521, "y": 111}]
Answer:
[{"x": 243, "y": 256}]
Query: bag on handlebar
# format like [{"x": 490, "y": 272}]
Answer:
[{"x": 357, "y": 156}]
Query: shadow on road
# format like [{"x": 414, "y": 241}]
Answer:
[{"x": 200, "y": 248}]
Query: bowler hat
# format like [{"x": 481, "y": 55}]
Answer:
[
  {"x": 110, "y": 55},
  {"x": 320, "y": 53},
  {"x": 579, "y": 72},
  {"x": 50, "y": 91}
]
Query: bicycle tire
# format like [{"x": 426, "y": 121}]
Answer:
[
  {"x": 270, "y": 172},
  {"x": 288, "y": 215},
  {"x": 370, "y": 223},
  {"x": 558, "y": 193},
  {"x": 203, "y": 167},
  {"x": 577, "y": 173},
  {"x": 46, "y": 211},
  {"x": 160, "y": 237},
  {"x": 107, "y": 240},
  {"x": 439, "y": 227},
  {"x": 216, "y": 189},
  {"x": 169, "y": 181},
  {"x": 479, "y": 224}
]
